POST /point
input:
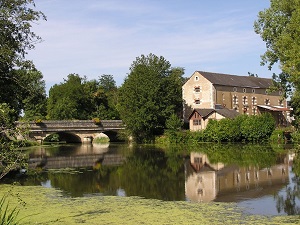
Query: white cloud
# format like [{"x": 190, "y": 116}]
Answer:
[{"x": 107, "y": 36}]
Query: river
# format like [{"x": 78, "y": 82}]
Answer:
[{"x": 259, "y": 178}]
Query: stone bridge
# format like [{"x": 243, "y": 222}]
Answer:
[
  {"x": 74, "y": 131},
  {"x": 75, "y": 161}
]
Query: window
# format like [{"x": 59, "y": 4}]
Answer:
[
  {"x": 196, "y": 122},
  {"x": 197, "y": 101},
  {"x": 198, "y": 160},
  {"x": 196, "y": 78},
  {"x": 244, "y": 90},
  {"x": 280, "y": 102},
  {"x": 253, "y": 101},
  {"x": 253, "y": 90},
  {"x": 267, "y": 101},
  {"x": 245, "y": 100},
  {"x": 197, "y": 89},
  {"x": 235, "y": 100},
  {"x": 235, "y": 89}
]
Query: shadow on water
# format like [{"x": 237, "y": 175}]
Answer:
[{"x": 261, "y": 179}]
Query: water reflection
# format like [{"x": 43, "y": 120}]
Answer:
[
  {"x": 208, "y": 181},
  {"x": 257, "y": 177}
]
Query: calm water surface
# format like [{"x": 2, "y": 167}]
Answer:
[{"x": 258, "y": 178}]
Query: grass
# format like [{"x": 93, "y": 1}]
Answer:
[
  {"x": 48, "y": 206},
  {"x": 8, "y": 216}
]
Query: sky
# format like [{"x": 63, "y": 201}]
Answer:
[{"x": 95, "y": 37}]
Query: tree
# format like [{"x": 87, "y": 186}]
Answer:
[
  {"x": 279, "y": 27},
  {"x": 150, "y": 94},
  {"x": 10, "y": 159},
  {"x": 71, "y": 99},
  {"x": 107, "y": 106},
  {"x": 78, "y": 98},
  {"x": 16, "y": 38},
  {"x": 20, "y": 83}
]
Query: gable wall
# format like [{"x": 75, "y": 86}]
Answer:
[{"x": 189, "y": 95}]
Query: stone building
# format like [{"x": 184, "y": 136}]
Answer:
[{"x": 244, "y": 94}]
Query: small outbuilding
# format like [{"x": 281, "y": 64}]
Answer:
[{"x": 199, "y": 118}]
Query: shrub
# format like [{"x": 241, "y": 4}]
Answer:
[
  {"x": 296, "y": 137},
  {"x": 97, "y": 120},
  {"x": 101, "y": 140},
  {"x": 257, "y": 128}
]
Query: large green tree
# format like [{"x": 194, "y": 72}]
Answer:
[
  {"x": 79, "y": 98},
  {"x": 69, "y": 99},
  {"x": 16, "y": 38},
  {"x": 107, "y": 103},
  {"x": 150, "y": 94},
  {"x": 279, "y": 27}
]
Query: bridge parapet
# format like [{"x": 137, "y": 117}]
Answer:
[{"x": 58, "y": 125}]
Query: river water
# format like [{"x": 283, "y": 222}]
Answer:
[{"x": 262, "y": 179}]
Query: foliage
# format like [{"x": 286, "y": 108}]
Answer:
[
  {"x": 16, "y": 38},
  {"x": 96, "y": 120},
  {"x": 296, "y": 137},
  {"x": 150, "y": 94},
  {"x": 52, "y": 138},
  {"x": 242, "y": 128},
  {"x": 279, "y": 27},
  {"x": 7, "y": 216},
  {"x": 34, "y": 100},
  {"x": 10, "y": 158},
  {"x": 78, "y": 98},
  {"x": 101, "y": 140},
  {"x": 107, "y": 107},
  {"x": 258, "y": 128}
]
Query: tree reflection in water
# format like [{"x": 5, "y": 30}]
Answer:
[
  {"x": 237, "y": 172},
  {"x": 287, "y": 201}
]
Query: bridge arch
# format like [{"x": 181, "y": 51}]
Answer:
[{"x": 68, "y": 137}]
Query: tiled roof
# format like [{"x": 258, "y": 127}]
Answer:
[
  {"x": 236, "y": 81},
  {"x": 204, "y": 112},
  {"x": 228, "y": 113}
]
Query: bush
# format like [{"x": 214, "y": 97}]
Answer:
[
  {"x": 101, "y": 140},
  {"x": 258, "y": 128},
  {"x": 296, "y": 137}
]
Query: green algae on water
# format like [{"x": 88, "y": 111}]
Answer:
[{"x": 48, "y": 206}]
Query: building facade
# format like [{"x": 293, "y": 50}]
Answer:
[{"x": 244, "y": 94}]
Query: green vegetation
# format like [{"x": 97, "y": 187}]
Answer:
[
  {"x": 55, "y": 209},
  {"x": 78, "y": 98},
  {"x": 101, "y": 140},
  {"x": 16, "y": 38},
  {"x": 278, "y": 26},
  {"x": 7, "y": 216},
  {"x": 150, "y": 94},
  {"x": 240, "y": 129}
]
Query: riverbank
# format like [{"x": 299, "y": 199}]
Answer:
[{"x": 39, "y": 205}]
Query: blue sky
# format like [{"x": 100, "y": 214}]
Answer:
[{"x": 95, "y": 37}]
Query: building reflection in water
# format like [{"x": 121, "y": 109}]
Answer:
[{"x": 207, "y": 181}]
